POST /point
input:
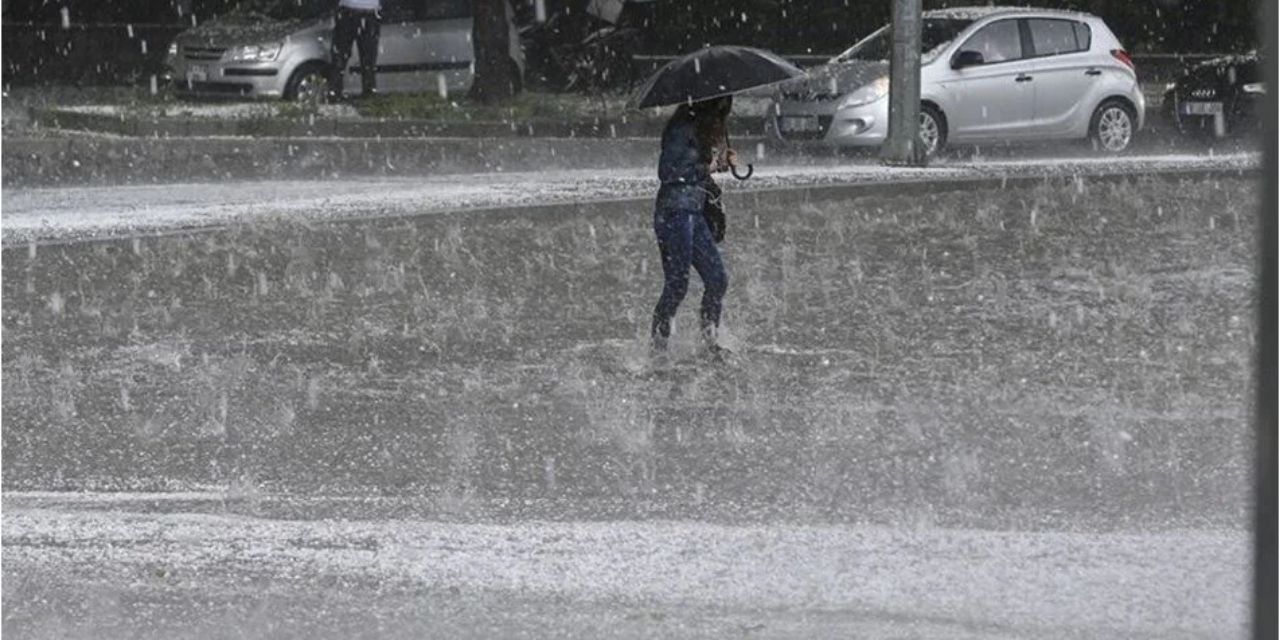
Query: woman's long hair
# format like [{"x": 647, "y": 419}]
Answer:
[{"x": 711, "y": 124}]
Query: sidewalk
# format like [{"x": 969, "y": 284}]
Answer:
[
  {"x": 95, "y": 159},
  {"x": 117, "y": 135},
  {"x": 136, "y": 113},
  {"x": 108, "y": 120},
  {"x": 68, "y": 136}
]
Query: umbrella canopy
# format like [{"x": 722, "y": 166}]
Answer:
[{"x": 712, "y": 72}]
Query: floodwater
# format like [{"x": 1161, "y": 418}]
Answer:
[
  {"x": 132, "y": 566},
  {"x": 991, "y": 413}
]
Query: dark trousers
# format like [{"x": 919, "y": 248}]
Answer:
[
  {"x": 360, "y": 27},
  {"x": 684, "y": 240}
]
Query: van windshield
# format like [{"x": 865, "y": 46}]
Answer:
[
  {"x": 282, "y": 9},
  {"x": 934, "y": 34}
]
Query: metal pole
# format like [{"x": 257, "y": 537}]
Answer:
[
  {"x": 902, "y": 146},
  {"x": 1264, "y": 470}
]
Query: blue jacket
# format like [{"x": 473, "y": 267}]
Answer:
[{"x": 680, "y": 169}]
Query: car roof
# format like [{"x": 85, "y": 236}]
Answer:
[{"x": 978, "y": 13}]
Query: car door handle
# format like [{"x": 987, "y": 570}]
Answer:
[
  {"x": 1093, "y": 72},
  {"x": 1022, "y": 78}
]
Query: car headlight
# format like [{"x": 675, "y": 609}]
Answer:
[
  {"x": 867, "y": 93},
  {"x": 254, "y": 53},
  {"x": 1254, "y": 87},
  {"x": 1170, "y": 86}
]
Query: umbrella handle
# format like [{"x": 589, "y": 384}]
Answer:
[{"x": 750, "y": 170}]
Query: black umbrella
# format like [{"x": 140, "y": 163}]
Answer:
[{"x": 712, "y": 72}]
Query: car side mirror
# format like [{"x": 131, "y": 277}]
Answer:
[{"x": 966, "y": 59}]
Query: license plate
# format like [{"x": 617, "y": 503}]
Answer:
[
  {"x": 798, "y": 124},
  {"x": 197, "y": 73},
  {"x": 1201, "y": 108}
]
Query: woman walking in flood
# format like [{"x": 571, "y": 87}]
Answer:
[{"x": 694, "y": 145}]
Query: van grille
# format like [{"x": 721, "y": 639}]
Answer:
[{"x": 203, "y": 54}]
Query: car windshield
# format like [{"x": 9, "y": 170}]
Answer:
[
  {"x": 935, "y": 33},
  {"x": 282, "y": 9}
]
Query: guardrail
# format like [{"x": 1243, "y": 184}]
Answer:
[
  {"x": 1152, "y": 67},
  {"x": 810, "y": 59}
]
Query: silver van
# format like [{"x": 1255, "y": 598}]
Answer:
[
  {"x": 280, "y": 49},
  {"x": 987, "y": 75}
]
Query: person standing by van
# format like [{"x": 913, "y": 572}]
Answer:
[{"x": 357, "y": 21}]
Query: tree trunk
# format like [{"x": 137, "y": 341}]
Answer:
[
  {"x": 494, "y": 80},
  {"x": 902, "y": 146}
]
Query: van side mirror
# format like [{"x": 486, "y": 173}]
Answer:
[{"x": 966, "y": 59}]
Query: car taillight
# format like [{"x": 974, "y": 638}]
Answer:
[{"x": 1123, "y": 56}]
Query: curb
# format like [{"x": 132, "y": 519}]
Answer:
[
  {"x": 81, "y": 161},
  {"x": 789, "y": 197},
  {"x": 780, "y": 198}
]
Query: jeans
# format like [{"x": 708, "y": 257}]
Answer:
[
  {"x": 360, "y": 27},
  {"x": 685, "y": 240}
]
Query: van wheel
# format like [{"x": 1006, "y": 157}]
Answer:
[
  {"x": 308, "y": 84},
  {"x": 933, "y": 130},
  {"x": 1111, "y": 128}
]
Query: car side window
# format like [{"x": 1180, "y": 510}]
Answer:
[
  {"x": 1050, "y": 37},
  {"x": 1084, "y": 37},
  {"x": 997, "y": 42},
  {"x": 444, "y": 9}
]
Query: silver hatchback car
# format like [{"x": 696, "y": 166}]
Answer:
[
  {"x": 280, "y": 48},
  {"x": 988, "y": 75}
]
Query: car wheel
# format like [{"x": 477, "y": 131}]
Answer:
[
  {"x": 308, "y": 84},
  {"x": 1112, "y": 127},
  {"x": 933, "y": 130}
]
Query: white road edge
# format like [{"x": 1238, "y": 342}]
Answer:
[{"x": 65, "y": 213}]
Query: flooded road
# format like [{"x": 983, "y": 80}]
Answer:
[
  {"x": 203, "y": 566},
  {"x": 982, "y": 413}
]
